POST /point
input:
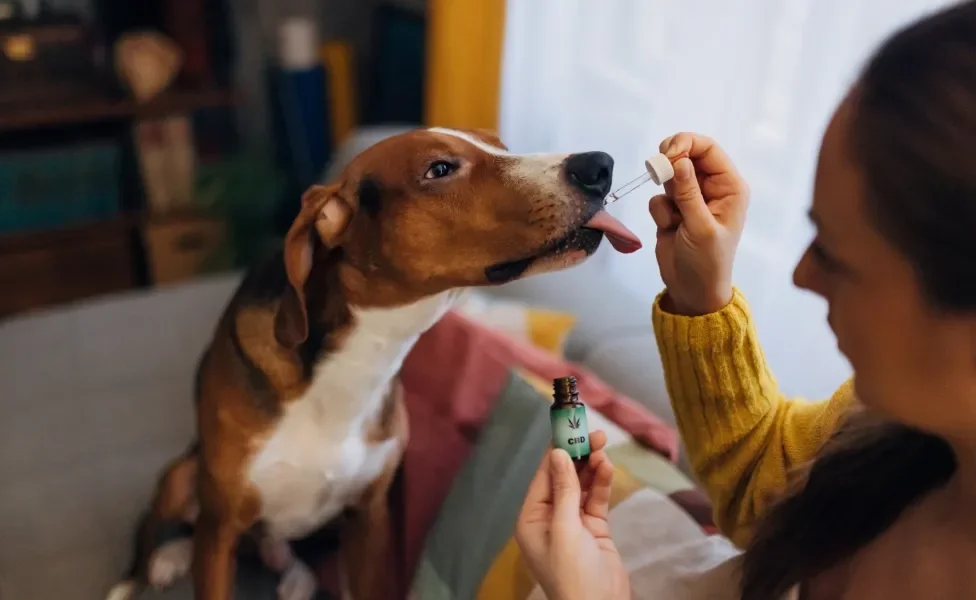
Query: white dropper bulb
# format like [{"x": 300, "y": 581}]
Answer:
[{"x": 659, "y": 170}]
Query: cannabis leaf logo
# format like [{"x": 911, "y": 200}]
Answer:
[{"x": 574, "y": 422}]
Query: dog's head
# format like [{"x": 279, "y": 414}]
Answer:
[{"x": 436, "y": 209}]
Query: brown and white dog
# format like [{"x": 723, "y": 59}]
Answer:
[{"x": 298, "y": 411}]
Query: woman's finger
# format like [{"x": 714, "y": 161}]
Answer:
[
  {"x": 690, "y": 201},
  {"x": 708, "y": 156},
  {"x": 663, "y": 212},
  {"x": 598, "y": 500},
  {"x": 665, "y": 144},
  {"x": 589, "y": 469},
  {"x": 539, "y": 495},
  {"x": 598, "y": 439},
  {"x": 565, "y": 497}
]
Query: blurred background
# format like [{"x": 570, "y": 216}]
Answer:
[
  {"x": 143, "y": 143},
  {"x": 152, "y": 149},
  {"x": 148, "y": 143}
]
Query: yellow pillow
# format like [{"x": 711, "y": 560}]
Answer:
[{"x": 548, "y": 329}]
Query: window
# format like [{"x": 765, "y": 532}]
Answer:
[{"x": 760, "y": 76}]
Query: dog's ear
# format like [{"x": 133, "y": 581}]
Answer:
[{"x": 323, "y": 219}]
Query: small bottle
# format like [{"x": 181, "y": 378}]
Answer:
[{"x": 567, "y": 417}]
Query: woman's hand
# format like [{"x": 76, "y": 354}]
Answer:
[
  {"x": 563, "y": 532},
  {"x": 699, "y": 218}
]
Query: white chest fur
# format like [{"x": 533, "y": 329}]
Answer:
[{"x": 317, "y": 459}]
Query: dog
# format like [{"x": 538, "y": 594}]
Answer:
[{"x": 300, "y": 416}]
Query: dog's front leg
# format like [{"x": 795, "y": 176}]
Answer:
[
  {"x": 297, "y": 580},
  {"x": 367, "y": 571},
  {"x": 367, "y": 565},
  {"x": 226, "y": 512},
  {"x": 214, "y": 561}
]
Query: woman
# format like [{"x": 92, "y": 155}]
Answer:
[{"x": 887, "y": 507}]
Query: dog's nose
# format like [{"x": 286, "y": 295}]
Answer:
[{"x": 591, "y": 171}]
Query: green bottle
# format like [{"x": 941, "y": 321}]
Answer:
[{"x": 567, "y": 416}]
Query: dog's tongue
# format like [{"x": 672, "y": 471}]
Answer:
[{"x": 621, "y": 238}]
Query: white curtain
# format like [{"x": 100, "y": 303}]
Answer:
[{"x": 760, "y": 76}]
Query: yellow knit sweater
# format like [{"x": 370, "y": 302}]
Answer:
[{"x": 741, "y": 434}]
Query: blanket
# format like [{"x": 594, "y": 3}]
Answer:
[{"x": 477, "y": 403}]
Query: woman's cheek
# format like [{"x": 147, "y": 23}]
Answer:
[
  {"x": 853, "y": 336},
  {"x": 862, "y": 342}
]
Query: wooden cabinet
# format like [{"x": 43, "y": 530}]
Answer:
[
  {"x": 181, "y": 248},
  {"x": 41, "y": 270}
]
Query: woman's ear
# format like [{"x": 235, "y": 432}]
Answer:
[{"x": 323, "y": 219}]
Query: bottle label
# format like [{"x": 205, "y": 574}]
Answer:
[{"x": 570, "y": 431}]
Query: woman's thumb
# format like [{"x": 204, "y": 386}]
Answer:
[
  {"x": 688, "y": 198},
  {"x": 565, "y": 489}
]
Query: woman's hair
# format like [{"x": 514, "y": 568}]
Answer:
[{"x": 913, "y": 135}]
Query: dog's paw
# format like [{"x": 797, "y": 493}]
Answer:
[
  {"x": 169, "y": 562},
  {"x": 123, "y": 590},
  {"x": 276, "y": 555},
  {"x": 297, "y": 583}
]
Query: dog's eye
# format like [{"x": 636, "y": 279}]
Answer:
[{"x": 439, "y": 169}]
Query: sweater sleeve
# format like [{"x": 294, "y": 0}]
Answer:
[{"x": 743, "y": 437}]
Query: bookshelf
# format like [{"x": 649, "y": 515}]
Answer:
[
  {"x": 60, "y": 113},
  {"x": 44, "y": 267},
  {"x": 74, "y": 200}
]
